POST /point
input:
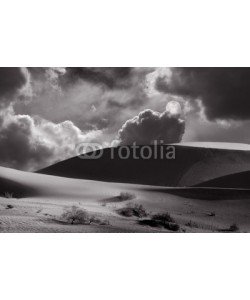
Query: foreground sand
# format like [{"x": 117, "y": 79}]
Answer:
[{"x": 41, "y": 212}]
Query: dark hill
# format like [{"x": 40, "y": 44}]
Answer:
[
  {"x": 192, "y": 165},
  {"x": 238, "y": 181}
]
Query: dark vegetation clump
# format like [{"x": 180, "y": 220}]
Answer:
[
  {"x": 232, "y": 228},
  {"x": 125, "y": 196},
  {"x": 211, "y": 214},
  {"x": 192, "y": 224},
  {"x": 9, "y": 206},
  {"x": 8, "y": 195},
  {"x": 133, "y": 210},
  {"x": 164, "y": 218},
  {"x": 161, "y": 221}
]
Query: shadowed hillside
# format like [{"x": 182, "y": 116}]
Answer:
[
  {"x": 15, "y": 189},
  {"x": 192, "y": 165},
  {"x": 238, "y": 180}
]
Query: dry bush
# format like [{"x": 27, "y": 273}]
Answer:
[
  {"x": 161, "y": 220},
  {"x": 136, "y": 210},
  {"x": 164, "y": 218},
  {"x": 9, "y": 206},
  {"x": 233, "y": 228},
  {"x": 211, "y": 214},
  {"x": 126, "y": 196},
  {"x": 76, "y": 215},
  {"x": 8, "y": 195}
]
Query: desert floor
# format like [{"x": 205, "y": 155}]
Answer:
[{"x": 54, "y": 195}]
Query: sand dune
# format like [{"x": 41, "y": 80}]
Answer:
[
  {"x": 237, "y": 181},
  {"x": 192, "y": 165},
  {"x": 51, "y": 195},
  {"x": 35, "y": 202}
]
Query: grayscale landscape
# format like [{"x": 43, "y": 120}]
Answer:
[
  {"x": 124, "y": 150},
  {"x": 210, "y": 201}
]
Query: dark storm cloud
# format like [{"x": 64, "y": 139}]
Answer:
[
  {"x": 224, "y": 92},
  {"x": 109, "y": 77},
  {"x": 11, "y": 81},
  {"x": 150, "y": 126}
]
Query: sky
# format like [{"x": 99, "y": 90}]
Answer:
[{"x": 46, "y": 112}]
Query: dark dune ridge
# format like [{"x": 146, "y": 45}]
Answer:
[
  {"x": 207, "y": 193},
  {"x": 191, "y": 166},
  {"x": 237, "y": 181}
]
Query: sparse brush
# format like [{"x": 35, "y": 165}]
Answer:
[
  {"x": 165, "y": 217},
  {"x": 233, "y": 228},
  {"x": 9, "y": 206},
  {"x": 136, "y": 210},
  {"x": 161, "y": 220},
  {"x": 76, "y": 215},
  {"x": 192, "y": 224},
  {"x": 126, "y": 196},
  {"x": 211, "y": 214},
  {"x": 8, "y": 195},
  {"x": 172, "y": 226}
]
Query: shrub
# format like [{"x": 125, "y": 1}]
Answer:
[
  {"x": 75, "y": 215},
  {"x": 161, "y": 220},
  {"x": 9, "y": 206},
  {"x": 233, "y": 228},
  {"x": 125, "y": 196},
  {"x": 164, "y": 218},
  {"x": 172, "y": 226},
  {"x": 136, "y": 210},
  {"x": 150, "y": 222},
  {"x": 211, "y": 214},
  {"x": 192, "y": 224},
  {"x": 8, "y": 195}
]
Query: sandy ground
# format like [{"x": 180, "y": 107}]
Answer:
[{"x": 42, "y": 212}]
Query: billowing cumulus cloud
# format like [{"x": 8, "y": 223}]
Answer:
[
  {"x": 149, "y": 126},
  {"x": 97, "y": 101},
  {"x": 224, "y": 92},
  {"x": 55, "y": 100},
  {"x": 31, "y": 143}
]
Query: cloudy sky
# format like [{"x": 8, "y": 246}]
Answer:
[{"x": 46, "y": 112}]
